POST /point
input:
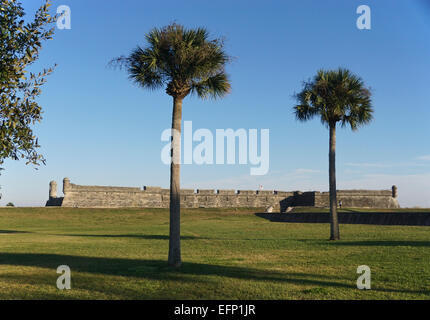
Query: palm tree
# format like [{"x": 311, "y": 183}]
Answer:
[
  {"x": 335, "y": 96},
  {"x": 184, "y": 61}
]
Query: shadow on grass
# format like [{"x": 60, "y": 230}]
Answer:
[
  {"x": 164, "y": 237},
  {"x": 135, "y": 236},
  {"x": 158, "y": 270},
  {"x": 12, "y": 231},
  {"x": 383, "y": 243}
]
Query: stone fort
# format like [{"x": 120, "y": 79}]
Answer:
[{"x": 78, "y": 196}]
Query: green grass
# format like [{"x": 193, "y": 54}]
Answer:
[{"x": 227, "y": 254}]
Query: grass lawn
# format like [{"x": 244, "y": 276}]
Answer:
[{"x": 227, "y": 254}]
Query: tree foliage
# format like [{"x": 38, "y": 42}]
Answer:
[
  {"x": 20, "y": 44},
  {"x": 335, "y": 96},
  {"x": 182, "y": 60}
]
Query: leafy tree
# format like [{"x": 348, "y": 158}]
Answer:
[
  {"x": 20, "y": 44},
  {"x": 335, "y": 96},
  {"x": 10, "y": 204},
  {"x": 183, "y": 61}
]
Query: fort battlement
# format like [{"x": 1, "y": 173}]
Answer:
[{"x": 78, "y": 196}]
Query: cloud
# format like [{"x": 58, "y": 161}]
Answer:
[
  {"x": 389, "y": 165},
  {"x": 307, "y": 171},
  {"x": 370, "y": 165},
  {"x": 424, "y": 158}
]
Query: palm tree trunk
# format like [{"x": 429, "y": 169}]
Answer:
[
  {"x": 174, "y": 259},
  {"x": 334, "y": 224}
]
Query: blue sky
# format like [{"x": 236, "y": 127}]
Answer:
[{"x": 100, "y": 129}]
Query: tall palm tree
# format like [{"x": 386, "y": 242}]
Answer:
[
  {"x": 335, "y": 96},
  {"x": 183, "y": 61}
]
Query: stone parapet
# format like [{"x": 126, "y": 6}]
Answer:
[{"x": 155, "y": 197}]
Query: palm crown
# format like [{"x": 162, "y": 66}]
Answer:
[
  {"x": 183, "y": 60},
  {"x": 335, "y": 96}
]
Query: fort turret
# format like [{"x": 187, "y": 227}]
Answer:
[
  {"x": 66, "y": 186},
  {"x": 52, "y": 189},
  {"x": 54, "y": 200}
]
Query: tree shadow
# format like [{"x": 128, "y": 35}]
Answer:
[
  {"x": 12, "y": 231},
  {"x": 164, "y": 237},
  {"x": 158, "y": 270},
  {"x": 384, "y": 243},
  {"x": 135, "y": 236}
]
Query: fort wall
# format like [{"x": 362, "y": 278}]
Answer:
[{"x": 155, "y": 197}]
